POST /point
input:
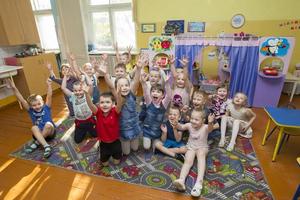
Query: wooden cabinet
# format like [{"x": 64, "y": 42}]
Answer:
[
  {"x": 32, "y": 78},
  {"x": 17, "y": 24}
]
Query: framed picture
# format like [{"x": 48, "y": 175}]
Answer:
[
  {"x": 177, "y": 24},
  {"x": 148, "y": 28},
  {"x": 196, "y": 26}
]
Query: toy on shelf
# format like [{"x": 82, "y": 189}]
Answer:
[{"x": 270, "y": 71}]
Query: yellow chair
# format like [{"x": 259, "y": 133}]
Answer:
[{"x": 286, "y": 135}]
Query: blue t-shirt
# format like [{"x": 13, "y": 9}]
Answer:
[{"x": 41, "y": 118}]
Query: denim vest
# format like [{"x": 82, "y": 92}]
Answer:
[
  {"x": 154, "y": 118},
  {"x": 129, "y": 120},
  {"x": 96, "y": 92}
]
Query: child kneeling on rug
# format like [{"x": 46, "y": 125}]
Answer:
[
  {"x": 43, "y": 128},
  {"x": 196, "y": 146},
  {"x": 84, "y": 120},
  {"x": 108, "y": 127}
]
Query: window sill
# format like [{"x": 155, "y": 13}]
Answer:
[{"x": 98, "y": 52}]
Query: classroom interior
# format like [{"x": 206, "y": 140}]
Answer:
[{"x": 23, "y": 179}]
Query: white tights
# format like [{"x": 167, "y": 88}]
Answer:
[
  {"x": 235, "y": 124},
  {"x": 188, "y": 163},
  {"x": 127, "y": 145}
]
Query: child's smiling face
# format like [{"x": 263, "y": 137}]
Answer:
[
  {"x": 222, "y": 93},
  {"x": 156, "y": 96},
  {"x": 154, "y": 77},
  {"x": 197, "y": 119},
  {"x": 78, "y": 91},
  {"x": 180, "y": 80},
  {"x": 123, "y": 84},
  {"x": 120, "y": 72},
  {"x": 105, "y": 104},
  {"x": 198, "y": 100},
  {"x": 88, "y": 69},
  {"x": 239, "y": 99}
]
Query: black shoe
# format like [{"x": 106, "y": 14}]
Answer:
[{"x": 180, "y": 157}]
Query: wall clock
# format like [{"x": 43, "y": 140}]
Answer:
[{"x": 237, "y": 21}]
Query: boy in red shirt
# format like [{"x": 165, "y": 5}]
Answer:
[{"x": 107, "y": 126}]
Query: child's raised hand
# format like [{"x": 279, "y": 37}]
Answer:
[
  {"x": 129, "y": 48},
  {"x": 184, "y": 61},
  {"x": 49, "y": 81},
  {"x": 85, "y": 88},
  {"x": 115, "y": 46},
  {"x": 102, "y": 68},
  {"x": 71, "y": 56},
  {"x": 211, "y": 118},
  {"x": 144, "y": 77},
  {"x": 104, "y": 56},
  {"x": 163, "y": 128},
  {"x": 49, "y": 66},
  {"x": 172, "y": 59},
  {"x": 142, "y": 61}
]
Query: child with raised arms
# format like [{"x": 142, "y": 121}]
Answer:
[
  {"x": 108, "y": 127},
  {"x": 65, "y": 71},
  {"x": 43, "y": 128},
  {"x": 85, "y": 122}
]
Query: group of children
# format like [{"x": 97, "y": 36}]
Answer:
[{"x": 171, "y": 108}]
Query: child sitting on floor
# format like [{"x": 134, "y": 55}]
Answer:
[
  {"x": 219, "y": 102},
  {"x": 171, "y": 139},
  {"x": 239, "y": 117},
  {"x": 108, "y": 128},
  {"x": 43, "y": 128},
  {"x": 84, "y": 120},
  {"x": 196, "y": 146}
]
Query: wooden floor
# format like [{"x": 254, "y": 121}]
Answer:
[{"x": 20, "y": 179}]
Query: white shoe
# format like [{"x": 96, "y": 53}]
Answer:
[
  {"x": 247, "y": 134},
  {"x": 179, "y": 184},
  {"x": 230, "y": 147},
  {"x": 222, "y": 143},
  {"x": 196, "y": 191}
]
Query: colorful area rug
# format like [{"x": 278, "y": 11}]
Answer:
[{"x": 235, "y": 175}]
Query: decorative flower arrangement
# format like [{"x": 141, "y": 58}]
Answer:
[{"x": 158, "y": 44}]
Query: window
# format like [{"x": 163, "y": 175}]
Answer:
[
  {"x": 45, "y": 24},
  {"x": 110, "y": 21}
]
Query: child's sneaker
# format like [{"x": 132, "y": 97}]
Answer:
[
  {"x": 148, "y": 156},
  {"x": 47, "y": 151},
  {"x": 32, "y": 147},
  {"x": 247, "y": 134},
  {"x": 179, "y": 185},
  {"x": 196, "y": 191},
  {"x": 180, "y": 157}
]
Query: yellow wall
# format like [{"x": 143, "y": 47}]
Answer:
[{"x": 262, "y": 19}]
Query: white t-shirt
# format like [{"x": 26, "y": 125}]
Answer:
[{"x": 80, "y": 107}]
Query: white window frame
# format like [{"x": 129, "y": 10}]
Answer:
[
  {"x": 41, "y": 13},
  {"x": 110, "y": 8}
]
